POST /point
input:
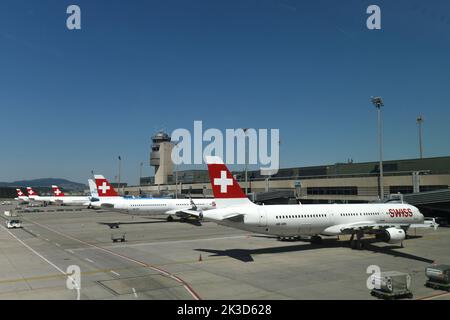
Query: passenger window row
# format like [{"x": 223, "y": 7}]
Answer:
[
  {"x": 148, "y": 205},
  {"x": 359, "y": 214},
  {"x": 297, "y": 216}
]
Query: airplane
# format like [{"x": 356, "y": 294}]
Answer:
[
  {"x": 21, "y": 196},
  {"x": 33, "y": 195},
  {"x": 61, "y": 198},
  {"x": 388, "y": 221},
  {"x": 93, "y": 189},
  {"x": 182, "y": 208}
]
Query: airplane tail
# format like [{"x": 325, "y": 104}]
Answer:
[
  {"x": 20, "y": 193},
  {"x": 31, "y": 192},
  {"x": 104, "y": 188},
  {"x": 227, "y": 191},
  {"x": 57, "y": 192},
  {"x": 93, "y": 188}
]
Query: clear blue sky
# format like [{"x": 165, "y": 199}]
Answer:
[{"x": 73, "y": 101}]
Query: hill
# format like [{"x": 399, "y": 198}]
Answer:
[{"x": 46, "y": 182}]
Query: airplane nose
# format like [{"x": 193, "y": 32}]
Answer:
[{"x": 421, "y": 216}]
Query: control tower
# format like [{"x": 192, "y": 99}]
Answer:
[{"x": 160, "y": 157}]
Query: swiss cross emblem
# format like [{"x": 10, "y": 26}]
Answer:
[{"x": 223, "y": 182}]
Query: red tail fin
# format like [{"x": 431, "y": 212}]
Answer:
[
  {"x": 31, "y": 192},
  {"x": 57, "y": 192},
  {"x": 104, "y": 188},
  {"x": 20, "y": 193},
  {"x": 223, "y": 183}
]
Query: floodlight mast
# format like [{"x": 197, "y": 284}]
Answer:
[
  {"x": 378, "y": 103},
  {"x": 419, "y": 123}
]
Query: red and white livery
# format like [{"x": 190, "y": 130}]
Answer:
[
  {"x": 21, "y": 196},
  {"x": 388, "y": 221},
  {"x": 33, "y": 195},
  {"x": 183, "y": 208},
  {"x": 61, "y": 198}
]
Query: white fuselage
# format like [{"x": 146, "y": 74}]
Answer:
[
  {"x": 22, "y": 198},
  {"x": 74, "y": 200},
  {"x": 154, "y": 206},
  {"x": 295, "y": 220},
  {"x": 42, "y": 198}
]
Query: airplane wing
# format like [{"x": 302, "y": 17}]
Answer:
[
  {"x": 107, "y": 205},
  {"x": 110, "y": 207},
  {"x": 231, "y": 216},
  {"x": 186, "y": 213},
  {"x": 236, "y": 217},
  {"x": 372, "y": 227}
]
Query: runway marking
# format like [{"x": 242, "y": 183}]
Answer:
[
  {"x": 57, "y": 244},
  {"x": 89, "y": 260},
  {"x": 134, "y": 292},
  {"x": 34, "y": 251},
  {"x": 70, "y": 251},
  {"x": 438, "y": 295},
  {"x": 165, "y": 242},
  {"x": 52, "y": 276},
  {"x": 115, "y": 273},
  {"x": 38, "y": 254},
  {"x": 165, "y": 273}
]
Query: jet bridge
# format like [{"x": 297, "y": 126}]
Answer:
[{"x": 431, "y": 203}]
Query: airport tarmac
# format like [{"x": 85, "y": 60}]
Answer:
[{"x": 175, "y": 260}]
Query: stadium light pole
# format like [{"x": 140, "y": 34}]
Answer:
[
  {"x": 419, "y": 123},
  {"x": 140, "y": 172},
  {"x": 378, "y": 103}
]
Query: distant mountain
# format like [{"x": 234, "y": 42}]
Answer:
[{"x": 47, "y": 183}]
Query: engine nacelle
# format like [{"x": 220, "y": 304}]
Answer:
[{"x": 394, "y": 235}]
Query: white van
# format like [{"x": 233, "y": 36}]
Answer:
[{"x": 13, "y": 224}]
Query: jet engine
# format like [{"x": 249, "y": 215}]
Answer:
[{"x": 394, "y": 235}]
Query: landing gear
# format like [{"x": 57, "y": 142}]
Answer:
[
  {"x": 357, "y": 244},
  {"x": 295, "y": 238},
  {"x": 316, "y": 239},
  {"x": 169, "y": 219}
]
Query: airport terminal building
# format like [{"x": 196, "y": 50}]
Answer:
[{"x": 340, "y": 182}]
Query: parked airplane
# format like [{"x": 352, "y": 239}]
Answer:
[
  {"x": 388, "y": 221},
  {"x": 33, "y": 195},
  {"x": 21, "y": 196},
  {"x": 183, "y": 208},
  {"x": 60, "y": 197},
  {"x": 93, "y": 189}
]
